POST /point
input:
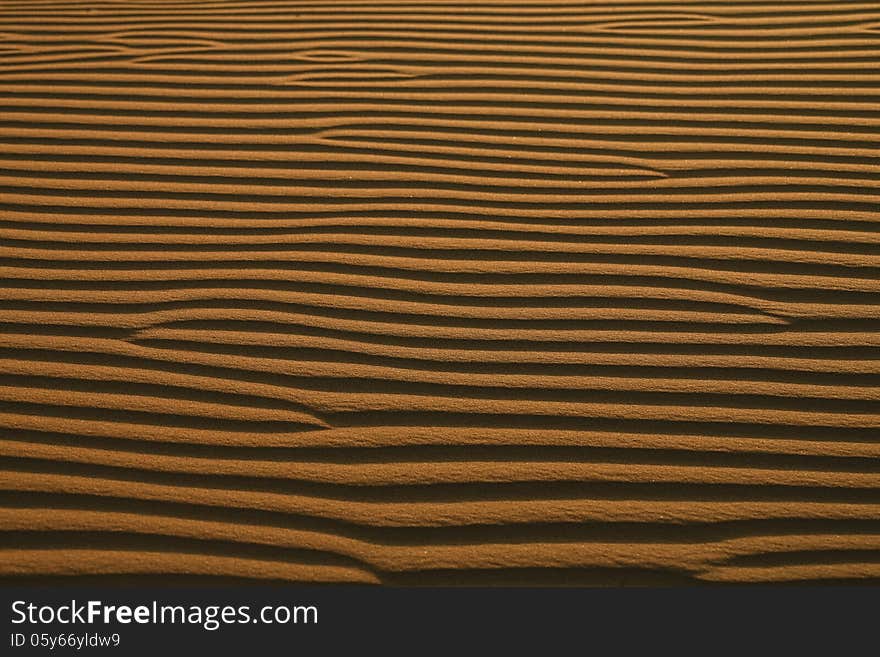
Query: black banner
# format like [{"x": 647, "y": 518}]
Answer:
[{"x": 323, "y": 620}]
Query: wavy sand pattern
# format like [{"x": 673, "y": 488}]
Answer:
[{"x": 440, "y": 292}]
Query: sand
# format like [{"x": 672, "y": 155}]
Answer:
[{"x": 417, "y": 292}]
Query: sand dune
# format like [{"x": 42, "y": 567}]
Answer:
[{"x": 420, "y": 292}]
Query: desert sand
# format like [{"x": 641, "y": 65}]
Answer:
[{"x": 415, "y": 292}]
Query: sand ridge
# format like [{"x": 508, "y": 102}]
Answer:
[{"x": 440, "y": 292}]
